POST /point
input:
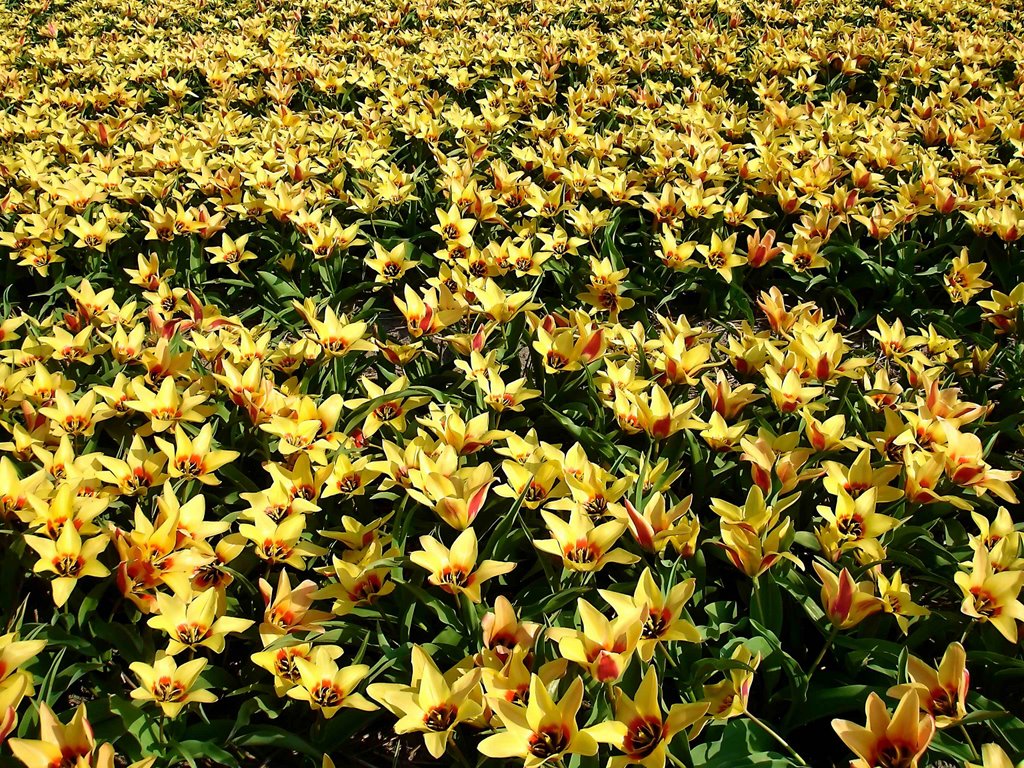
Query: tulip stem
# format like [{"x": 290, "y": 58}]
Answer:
[
  {"x": 821, "y": 655},
  {"x": 970, "y": 743},
  {"x": 782, "y": 742},
  {"x": 383, "y": 615},
  {"x": 676, "y": 761},
  {"x": 457, "y": 753},
  {"x": 668, "y": 658},
  {"x": 756, "y": 594},
  {"x": 468, "y": 614},
  {"x": 609, "y": 695},
  {"x": 970, "y": 626}
]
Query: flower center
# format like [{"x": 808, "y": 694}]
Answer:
[
  {"x": 166, "y": 689},
  {"x": 943, "y": 703},
  {"x": 851, "y": 527},
  {"x": 520, "y": 695},
  {"x": 334, "y": 344},
  {"x": 388, "y": 411},
  {"x": 656, "y": 625},
  {"x": 169, "y": 413},
  {"x": 985, "y": 605},
  {"x": 609, "y": 299},
  {"x": 326, "y": 694},
  {"x": 138, "y": 480},
  {"x": 285, "y": 667},
  {"x": 366, "y": 589},
  {"x": 189, "y": 466},
  {"x": 725, "y": 703},
  {"x": 643, "y": 737},
  {"x": 894, "y": 756},
  {"x": 191, "y": 634},
  {"x": 208, "y": 576},
  {"x": 580, "y": 552},
  {"x": 536, "y": 492},
  {"x": 454, "y": 577},
  {"x": 277, "y": 512},
  {"x": 440, "y": 718},
  {"x": 68, "y": 565},
  {"x": 281, "y": 617},
  {"x": 275, "y": 551},
  {"x": 548, "y": 742},
  {"x": 307, "y": 492},
  {"x": 349, "y": 484}
]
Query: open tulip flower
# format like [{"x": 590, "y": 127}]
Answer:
[
  {"x": 942, "y": 692},
  {"x": 58, "y": 741},
  {"x": 288, "y": 609},
  {"x": 729, "y": 698},
  {"x": 544, "y": 731},
  {"x": 641, "y": 730},
  {"x": 69, "y": 558},
  {"x": 603, "y": 647},
  {"x": 328, "y": 687},
  {"x": 582, "y": 545},
  {"x": 410, "y": 382},
  {"x": 657, "y": 526},
  {"x": 846, "y": 602},
  {"x": 171, "y": 686},
  {"x": 431, "y": 705},
  {"x": 896, "y": 741},
  {"x": 504, "y": 632},
  {"x": 994, "y": 756},
  {"x": 192, "y": 458},
  {"x": 990, "y": 596},
  {"x": 194, "y": 622},
  {"x": 71, "y": 744},
  {"x": 456, "y": 570},
  {"x": 16, "y": 683},
  {"x": 664, "y": 622}
]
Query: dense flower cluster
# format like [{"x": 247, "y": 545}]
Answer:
[{"x": 496, "y": 382}]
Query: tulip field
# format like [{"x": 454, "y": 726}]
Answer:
[{"x": 498, "y": 383}]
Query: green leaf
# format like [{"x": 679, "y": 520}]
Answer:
[
  {"x": 562, "y": 598},
  {"x": 766, "y": 604},
  {"x": 279, "y": 287},
  {"x": 501, "y": 530},
  {"x": 982, "y": 715},
  {"x": 198, "y": 750},
  {"x": 444, "y": 612},
  {"x": 827, "y": 701},
  {"x": 272, "y": 736}
]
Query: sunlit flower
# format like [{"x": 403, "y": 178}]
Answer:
[
  {"x": 641, "y": 730},
  {"x": 942, "y": 692},
  {"x": 432, "y": 705},
  {"x": 171, "y": 686},
  {"x": 456, "y": 570},
  {"x": 328, "y": 687},
  {"x": 896, "y": 741},
  {"x": 543, "y": 731}
]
